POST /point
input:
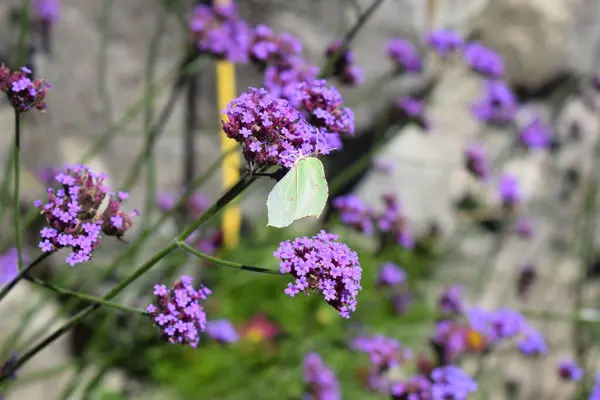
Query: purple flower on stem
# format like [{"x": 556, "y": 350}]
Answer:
[
  {"x": 535, "y": 135},
  {"x": 395, "y": 222},
  {"x": 532, "y": 344},
  {"x": 281, "y": 79},
  {"x": 451, "y": 300},
  {"x": 73, "y": 218},
  {"x": 414, "y": 110},
  {"x": 416, "y": 387},
  {"x": 391, "y": 274},
  {"x": 271, "y": 131},
  {"x": 218, "y": 31},
  {"x": 178, "y": 312},
  {"x": 495, "y": 326},
  {"x": 483, "y": 60},
  {"x": 47, "y": 10},
  {"x": 344, "y": 68},
  {"x": 451, "y": 382},
  {"x": 384, "y": 353},
  {"x": 165, "y": 201},
  {"x": 449, "y": 341},
  {"x": 497, "y": 106},
  {"x": 476, "y": 162},
  {"x": 444, "y": 42},
  {"x": 509, "y": 189},
  {"x": 222, "y": 331},
  {"x": 354, "y": 213},
  {"x": 322, "y": 264},
  {"x": 267, "y": 47},
  {"x": 404, "y": 54},
  {"x": 321, "y": 382},
  {"x": 23, "y": 93},
  {"x": 46, "y": 175},
  {"x": 570, "y": 371}
]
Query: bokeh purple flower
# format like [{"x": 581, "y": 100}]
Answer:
[
  {"x": 526, "y": 279},
  {"x": 414, "y": 110},
  {"x": 355, "y": 213},
  {"x": 404, "y": 55},
  {"x": 9, "y": 268},
  {"x": 476, "y": 162},
  {"x": 72, "y": 214},
  {"x": 222, "y": 330},
  {"x": 570, "y": 371},
  {"x": 451, "y": 383},
  {"x": 509, "y": 190},
  {"x": 391, "y": 274},
  {"x": 444, "y": 42},
  {"x": 321, "y": 382},
  {"x": 343, "y": 67},
  {"x": 483, "y": 60},
  {"x": 451, "y": 300},
  {"x": 268, "y": 47},
  {"x": 384, "y": 353},
  {"x": 47, "y": 11},
  {"x": 532, "y": 344},
  {"x": 394, "y": 221},
  {"x": 497, "y": 105},
  {"x": 524, "y": 227},
  {"x": 535, "y": 135},
  {"x": 23, "y": 93},
  {"x": 323, "y": 264},
  {"x": 178, "y": 312},
  {"x": 281, "y": 79}
]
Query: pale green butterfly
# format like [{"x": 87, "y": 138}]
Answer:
[{"x": 301, "y": 193}]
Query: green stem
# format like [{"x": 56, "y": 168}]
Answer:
[
  {"x": 5, "y": 189},
  {"x": 83, "y": 296},
  {"x": 22, "y": 274},
  {"x": 17, "y": 189},
  {"x": 226, "y": 263}
]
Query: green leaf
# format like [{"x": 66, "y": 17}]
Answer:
[{"x": 301, "y": 193}]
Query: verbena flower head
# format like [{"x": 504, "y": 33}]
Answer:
[
  {"x": 532, "y": 344},
  {"x": 449, "y": 340},
  {"x": 444, "y": 42},
  {"x": 9, "y": 268},
  {"x": 344, "y": 68},
  {"x": 73, "y": 214},
  {"x": 218, "y": 31},
  {"x": 404, "y": 55},
  {"x": 355, "y": 213},
  {"x": 416, "y": 387},
  {"x": 391, "y": 274},
  {"x": 570, "y": 371},
  {"x": 270, "y": 130},
  {"x": 23, "y": 93},
  {"x": 451, "y": 300},
  {"x": 222, "y": 331},
  {"x": 268, "y": 47},
  {"x": 178, "y": 312},
  {"x": 497, "y": 106},
  {"x": 281, "y": 79},
  {"x": 322, "y": 264},
  {"x": 497, "y": 325},
  {"x": 395, "y": 222},
  {"x": 476, "y": 162},
  {"x": 414, "y": 110},
  {"x": 509, "y": 190},
  {"x": 483, "y": 60},
  {"x": 323, "y": 106},
  {"x": 535, "y": 135},
  {"x": 451, "y": 383},
  {"x": 384, "y": 353},
  {"x": 47, "y": 10},
  {"x": 321, "y": 382}
]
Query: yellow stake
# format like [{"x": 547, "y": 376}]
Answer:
[{"x": 226, "y": 91}]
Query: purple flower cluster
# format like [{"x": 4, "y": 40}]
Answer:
[
  {"x": 218, "y": 31},
  {"x": 321, "y": 382},
  {"x": 444, "y": 42},
  {"x": 414, "y": 110},
  {"x": 73, "y": 216},
  {"x": 450, "y": 340},
  {"x": 404, "y": 55},
  {"x": 355, "y": 213},
  {"x": 497, "y": 106},
  {"x": 532, "y": 344},
  {"x": 394, "y": 222},
  {"x": 343, "y": 67},
  {"x": 268, "y": 47},
  {"x": 178, "y": 312},
  {"x": 222, "y": 331},
  {"x": 271, "y": 131},
  {"x": 47, "y": 11},
  {"x": 476, "y": 162},
  {"x": 391, "y": 274},
  {"x": 483, "y": 60},
  {"x": 570, "y": 371},
  {"x": 509, "y": 190},
  {"x": 384, "y": 353},
  {"x": 451, "y": 300},
  {"x": 535, "y": 135},
  {"x": 23, "y": 93},
  {"x": 451, "y": 382},
  {"x": 324, "y": 265},
  {"x": 281, "y": 79}
]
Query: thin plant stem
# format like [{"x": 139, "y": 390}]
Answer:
[
  {"x": 83, "y": 296},
  {"x": 5, "y": 189},
  {"x": 226, "y": 263},
  {"x": 362, "y": 20},
  {"x": 22, "y": 273},
  {"x": 17, "y": 189}
]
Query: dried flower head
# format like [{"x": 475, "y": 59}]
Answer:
[
  {"x": 322, "y": 264},
  {"x": 23, "y": 93},
  {"x": 178, "y": 312},
  {"x": 73, "y": 214}
]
